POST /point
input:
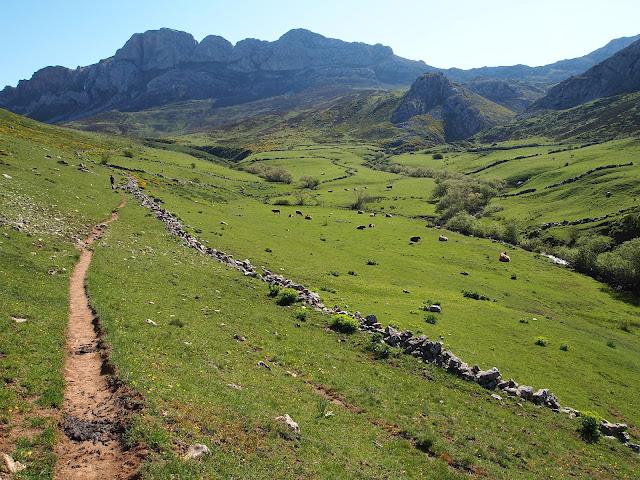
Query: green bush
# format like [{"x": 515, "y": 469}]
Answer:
[
  {"x": 474, "y": 295},
  {"x": 361, "y": 200},
  {"x": 301, "y": 315},
  {"x": 541, "y": 341},
  {"x": 431, "y": 319},
  {"x": 309, "y": 182},
  {"x": 344, "y": 324},
  {"x": 282, "y": 201},
  {"x": 287, "y": 297},
  {"x": 511, "y": 233},
  {"x": 590, "y": 427},
  {"x": 621, "y": 266},
  {"x": 274, "y": 290},
  {"x": 461, "y": 193},
  {"x": 464, "y": 223},
  {"x": 564, "y": 347},
  {"x": 128, "y": 153},
  {"x": 437, "y": 156}
]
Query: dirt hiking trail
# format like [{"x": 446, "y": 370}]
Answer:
[{"x": 91, "y": 412}]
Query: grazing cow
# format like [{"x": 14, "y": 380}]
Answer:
[
  {"x": 361, "y": 227},
  {"x": 308, "y": 217},
  {"x": 371, "y": 225},
  {"x": 290, "y": 215},
  {"x": 372, "y": 214},
  {"x": 415, "y": 239},
  {"x": 442, "y": 238},
  {"x": 504, "y": 257},
  {"x": 389, "y": 187},
  {"x": 388, "y": 215},
  {"x": 298, "y": 212},
  {"x": 275, "y": 210},
  {"x": 360, "y": 212}
]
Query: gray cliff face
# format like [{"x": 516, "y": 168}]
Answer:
[
  {"x": 163, "y": 66},
  {"x": 616, "y": 75},
  {"x": 462, "y": 112}
]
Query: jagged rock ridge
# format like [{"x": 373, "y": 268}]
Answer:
[{"x": 164, "y": 66}]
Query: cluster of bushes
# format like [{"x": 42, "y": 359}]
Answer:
[
  {"x": 379, "y": 161},
  {"x": 467, "y": 224},
  {"x": 458, "y": 193},
  {"x": 270, "y": 174},
  {"x": 600, "y": 257}
]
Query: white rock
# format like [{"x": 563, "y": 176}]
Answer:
[
  {"x": 197, "y": 451},
  {"x": 151, "y": 322},
  {"x": 11, "y": 465},
  {"x": 288, "y": 421}
]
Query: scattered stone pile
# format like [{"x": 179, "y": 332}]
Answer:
[{"x": 421, "y": 347}]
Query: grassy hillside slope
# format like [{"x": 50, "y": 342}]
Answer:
[{"x": 359, "y": 417}]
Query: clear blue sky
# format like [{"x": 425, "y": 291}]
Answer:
[{"x": 461, "y": 33}]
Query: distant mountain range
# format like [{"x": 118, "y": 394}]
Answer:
[
  {"x": 163, "y": 67},
  {"x": 618, "y": 74}
]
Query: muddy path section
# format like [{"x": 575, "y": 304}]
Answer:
[{"x": 92, "y": 412}]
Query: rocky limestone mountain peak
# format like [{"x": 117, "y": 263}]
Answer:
[
  {"x": 157, "y": 49},
  {"x": 462, "y": 112}
]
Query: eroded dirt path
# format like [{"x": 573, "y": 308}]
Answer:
[{"x": 92, "y": 420}]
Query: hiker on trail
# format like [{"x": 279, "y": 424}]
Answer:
[{"x": 113, "y": 182}]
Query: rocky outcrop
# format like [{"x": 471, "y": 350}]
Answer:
[
  {"x": 163, "y": 66},
  {"x": 462, "y": 112},
  {"x": 616, "y": 75}
]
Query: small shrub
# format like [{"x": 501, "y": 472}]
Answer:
[
  {"x": 425, "y": 442},
  {"x": 333, "y": 273},
  {"x": 514, "y": 277},
  {"x": 352, "y": 273},
  {"x": 611, "y": 344},
  {"x": 282, "y": 201},
  {"x": 437, "y": 156},
  {"x": 371, "y": 262},
  {"x": 564, "y": 347},
  {"x": 344, "y": 324},
  {"x": 287, "y": 297},
  {"x": 128, "y": 153},
  {"x": 474, "y": 295},
  {"x": 176, "y": 323},
  {"x": 105, "y": 157},
  {"x": 541, "y": 341},
  {"x": 431, "y": 319},
  {"x": 625, "y": 326},
  {"x": 301, "y": 315},
  {"x": 590, "y": 427},
  {"x": 193, "y": 165},
  {"x": 361, "y": 200},
  {"x": 274, "y": 290},
  {"x": 309, "y": 182},
  {"x": 268, "y": 250}
]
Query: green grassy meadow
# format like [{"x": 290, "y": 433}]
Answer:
[{"x": 393, "y": 418}]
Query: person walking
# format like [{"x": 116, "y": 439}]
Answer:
[{"x": 113, "y": 182}]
